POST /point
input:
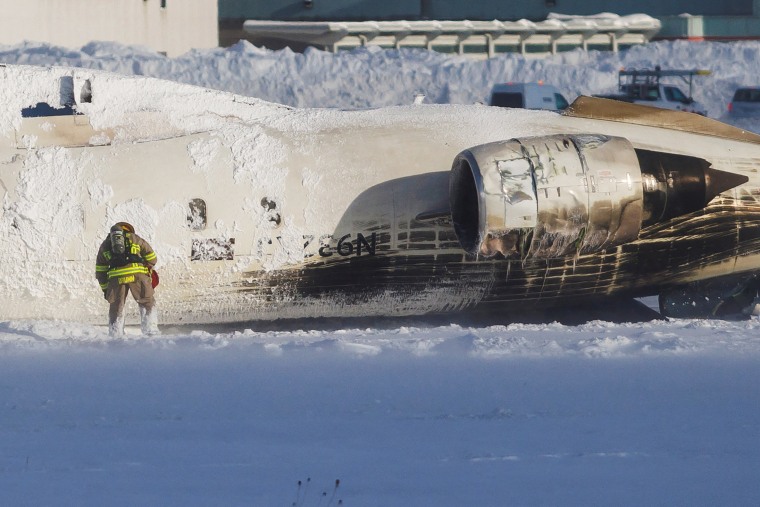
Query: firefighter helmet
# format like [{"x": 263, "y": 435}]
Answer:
[{"x": 124, "y": 226}]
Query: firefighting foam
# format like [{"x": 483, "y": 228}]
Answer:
[{"x": 259, "y": 211}]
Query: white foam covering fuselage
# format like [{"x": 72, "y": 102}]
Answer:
[{"x": 279, "y": 185}]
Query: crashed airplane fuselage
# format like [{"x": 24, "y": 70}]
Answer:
[{"x": 259, "y": 211}]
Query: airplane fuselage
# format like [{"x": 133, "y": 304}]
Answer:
[{"x": 261, "y": 212}]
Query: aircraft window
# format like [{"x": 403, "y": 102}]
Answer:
[
  {"x": 213, "y": 249},
  {"x": 43, "y": 109},
  {"x": 196, "y": 214}
]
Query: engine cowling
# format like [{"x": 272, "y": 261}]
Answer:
[{"x": 547, "y": 197}]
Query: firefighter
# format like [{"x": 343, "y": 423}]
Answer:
[{"x": 125, "y": 264}]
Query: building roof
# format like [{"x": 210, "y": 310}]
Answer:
[{"x": 576, "y": 30}]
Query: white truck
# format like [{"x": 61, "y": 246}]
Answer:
[
  {"x": 527, "y": 95},
  {"x": 644, "y": 87}
]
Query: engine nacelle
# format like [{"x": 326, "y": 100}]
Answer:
[{"x": 547, "y": 197}]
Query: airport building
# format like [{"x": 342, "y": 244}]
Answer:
[
  {"x": 171, "y": 27},
  {"x": 478, "y": 29},
  {"x": 486, "y": 27}
]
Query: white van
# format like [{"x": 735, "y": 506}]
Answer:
[
  {"x": 746, "y": 102},
  {"x": 528, "y": 96}
]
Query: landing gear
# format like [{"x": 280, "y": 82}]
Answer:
[
  {"x": 727, "y": 298},
  {"x": 741, "y": 302}
]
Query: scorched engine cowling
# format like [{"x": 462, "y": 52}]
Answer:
[{"x": 563, "y": 195}]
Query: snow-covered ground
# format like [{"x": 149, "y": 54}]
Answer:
[{"x": 657, "y": 413}]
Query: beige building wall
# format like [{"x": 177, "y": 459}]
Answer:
[{"x": 169, "y": 26}]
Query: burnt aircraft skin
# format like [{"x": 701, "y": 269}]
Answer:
[
  {"x": 681, "y": 226},
  {"x": 659, "y": 260},
  {"x": 663, "y": 255},
  {"x": 600, "y": 203}
]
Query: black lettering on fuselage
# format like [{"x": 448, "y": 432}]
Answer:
[
  {"x": 361, "y": 240},
  {"x": 345, "y": 247}
]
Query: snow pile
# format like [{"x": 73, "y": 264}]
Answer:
[{"x": 372, "y": 77}]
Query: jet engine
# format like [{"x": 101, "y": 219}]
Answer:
[{"x": 564, "y": 195}]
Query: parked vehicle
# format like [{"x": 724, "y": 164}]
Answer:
[
  {"x": 528, "y": 96},
  {"x": 644, "y": 87},
  {"x": 746, "y": 102}
]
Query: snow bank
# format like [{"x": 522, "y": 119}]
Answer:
[{"x": 373, "y": 77}]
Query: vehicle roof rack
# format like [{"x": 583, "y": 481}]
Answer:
[{"x": 652, "y": 76}]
